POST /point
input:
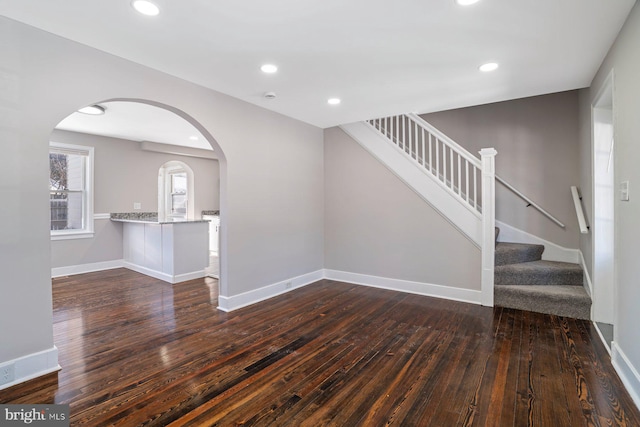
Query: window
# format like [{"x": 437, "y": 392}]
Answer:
[
  {"x": 70, "y": 191},
  {"x": 175, "y": 192},
  {"x": 178, "y": 200}
]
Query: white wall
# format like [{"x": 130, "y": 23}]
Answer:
[
  {"x": 537, "y": 140},
  {"x": 376, "y": 225},
  {"x": 123, "y": 174},
  {"x": 624, "y": 60},
  {"x": 271, "y": 172}
]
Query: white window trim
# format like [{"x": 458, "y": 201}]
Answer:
[
  {"x": 88, "y": 231},
  {"x": 164, "y": 189}
]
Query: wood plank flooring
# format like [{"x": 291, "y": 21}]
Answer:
[{"x": 138, "y": 351}]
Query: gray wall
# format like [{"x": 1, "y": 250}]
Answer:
[
  {"x": 375, "y": 225},
  {"x": 271, "y": 173},
  {"x": 623, "y": 58},
  {"x": 538, "y": 153},
  {"x": 124, "y": 174}
]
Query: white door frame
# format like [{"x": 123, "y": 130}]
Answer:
[{"x": 604, "y": 194}]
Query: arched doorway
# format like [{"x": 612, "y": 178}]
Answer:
[{"x": 161, "y": 150}]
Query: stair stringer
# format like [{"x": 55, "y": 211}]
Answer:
[{"x": 462, "y": 217}]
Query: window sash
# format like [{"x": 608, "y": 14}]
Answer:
[
  {"x": 176, "y": 196},
  {"x": 72, "y": 215},
  {"x": 67, "y": 213}
]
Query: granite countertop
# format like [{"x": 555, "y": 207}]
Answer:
[
  {"x": 213, "y": 213},
  {"x": 148, "y": 218}
]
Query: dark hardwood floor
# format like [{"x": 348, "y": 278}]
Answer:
[{"x": 138, "y": 351}]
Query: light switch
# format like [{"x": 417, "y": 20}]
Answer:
[
  {"x": 624, "y": 191},
  {"x": 137, "y": 205}
]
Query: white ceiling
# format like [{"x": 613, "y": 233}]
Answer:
[
  {"x": 137, "y": 122},
  {"x": 380, "y": 57}
]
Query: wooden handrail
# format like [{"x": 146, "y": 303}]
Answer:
[{"x": 577, "y": 202}]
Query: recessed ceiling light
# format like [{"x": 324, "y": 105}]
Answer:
[
  {"x": 489, "y": 66},
  {"x": 193, "y": 138},
  {"x": 269, "y": 68},
  {"x": 333, "y": 101},
  {"x": 466, "y": 2},
  {"x": 145, "y": 7},
  {"x": 94, "y": 110}
]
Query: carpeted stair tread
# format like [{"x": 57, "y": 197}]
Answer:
[
  {"x": 514, "y": 253},
  {"x": 541, "y": 273},
  {"x": 525, "y": 282},
  {"x": 568, "y": 301}
]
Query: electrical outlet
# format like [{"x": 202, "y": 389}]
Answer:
[
  {"x": 287, "y": 285},
  {"x": 7, "y": 374},
  {"x": 137, "y": 205}
]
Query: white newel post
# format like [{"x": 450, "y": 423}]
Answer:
[{"x": 488, "y": 156}]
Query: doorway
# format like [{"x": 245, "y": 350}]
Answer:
[
  {"x": 604, "y": 211},
  {"x": 136, "y": 143}
]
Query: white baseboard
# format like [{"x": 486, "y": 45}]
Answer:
[
  {"x": 120, "y": 263},
  {"x": 606, "y": 344},
  {"x": 552, "y": 251},
  {"x": 86, "y": 268},
  {"x": 627, "y": 372},
  {"x": 235, "y": 302},
  {"x": 189, "y": 276},
  {"x": 31, "y": 366},
  {"x": 418, "y": 288},
  {"x": 170, "y": 278},
  {"x": 426, "y": 289}
]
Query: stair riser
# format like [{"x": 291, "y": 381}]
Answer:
[
  {"x": 517, "y": 257},
  {"x": 514, "y": 253},
  {"x": 568, "y": 307},
  {"x": 538, "y": 278}
]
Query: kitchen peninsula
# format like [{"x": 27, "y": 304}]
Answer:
[{"x": 173, "y": 251}]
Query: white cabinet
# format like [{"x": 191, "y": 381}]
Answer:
[{"x": 173, "y": 252}]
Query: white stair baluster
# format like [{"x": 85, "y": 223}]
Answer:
[
  {"x": 466, "y": 174},
  {"x": 424, "y": 154}
]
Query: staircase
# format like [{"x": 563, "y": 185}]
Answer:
[
  {"x": 522, "y": 280},
  {"x": 462, "y": 188}
]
